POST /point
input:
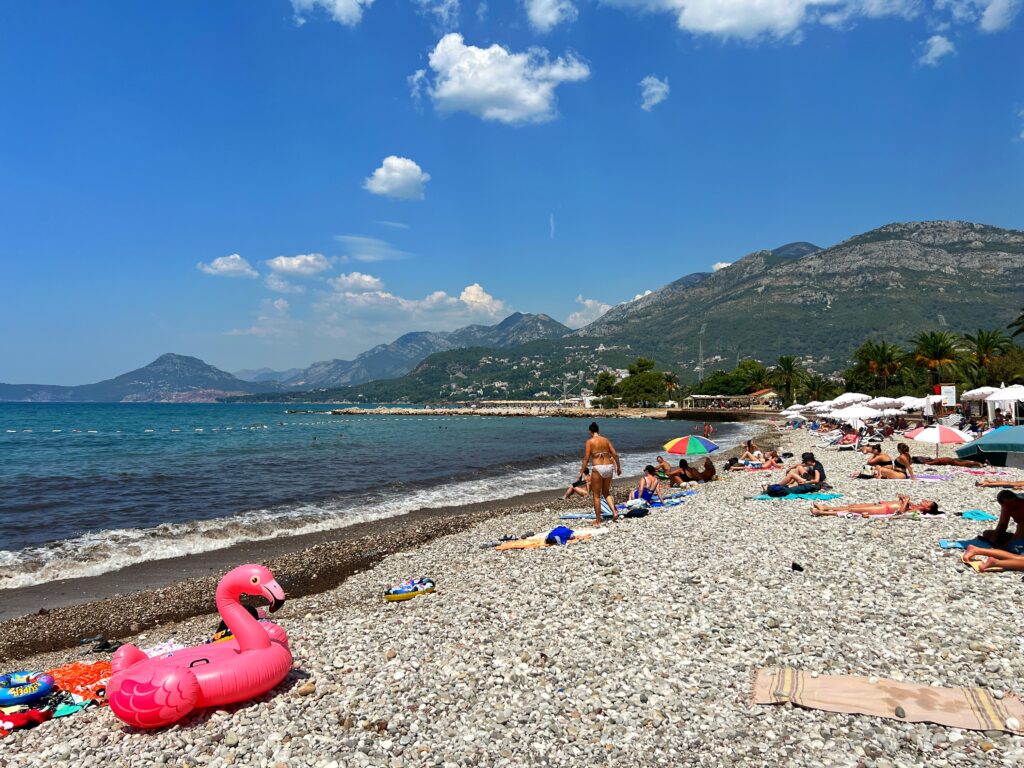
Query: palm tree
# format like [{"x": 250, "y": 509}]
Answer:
[
  {"x": 671, "y": 383},
  {"x": 941, "y": 353},
  {"x": 818, "y": 388},
  {"x": 881, "y": 359},
  {"x": 788, "y": 374},
  {"x": 755, "y": 376},
  {"x": 986, "y": 346},
  {"x": 1018, "y": 325}
]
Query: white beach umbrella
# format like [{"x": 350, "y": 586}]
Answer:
[
  {"x": 883, "y": 402},
  {"x": 912, "y": 403},
  {"x": 978, "y": 394},
  {"x": 892, "y": 412},
  {"x": 813, "y": 404},
  {"x": 1014, "y": 393},
  {"x": 795, "y": 416},
  {"x": 849, "y": 398},
  {"x": 796, "y": 407},
  {"x": 857, "y": 413}
]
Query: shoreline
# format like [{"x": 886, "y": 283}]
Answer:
[{"x": 56, "y": 614}]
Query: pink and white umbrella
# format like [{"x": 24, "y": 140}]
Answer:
[{"x": 940, "y": 435}]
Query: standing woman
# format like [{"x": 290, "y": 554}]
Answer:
[{"x": 605, "y": 460}]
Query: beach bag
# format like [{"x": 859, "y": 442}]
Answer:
[
  {"x": 777, "y": 490},
  {"x": 559, "y": 535},
  {"x": 639, "y": 511}
]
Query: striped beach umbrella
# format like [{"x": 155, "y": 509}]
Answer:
[
  {"x": 938, "y": 434},
  {"x": 691, "y": 445}
]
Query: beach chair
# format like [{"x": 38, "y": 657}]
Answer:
[{"x": 829, "y": 439}]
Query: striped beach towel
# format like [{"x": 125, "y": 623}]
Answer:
[{"x": 974, "y": 709}]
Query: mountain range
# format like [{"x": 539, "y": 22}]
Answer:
[
  {"x": 799, "y": 299},
  {"x": 168, "y": 379}
]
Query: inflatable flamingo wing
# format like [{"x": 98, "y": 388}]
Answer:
[
  {"x": 154, "y": 697},
  {"x": 152, "y": 692}
]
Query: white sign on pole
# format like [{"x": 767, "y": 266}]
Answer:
[{"x": 948, "y": 393}]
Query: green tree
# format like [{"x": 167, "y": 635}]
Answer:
[
  {"x": 604, "y": 386},
  {"x": 985, "y": 347},
  {"x": 641, "y": 365},
  {"x": 643, "y": 388},
  {"x": 880, "y": 359},
  {"x": 788, "y": 374},
  {"x": 818, "y": 388},
  {"x": 1008, "y": 368},
  {"x": 1017, "y": 325},
  {"x": 940, "y": 353},
  {"x": 754, "y": 375},
  {"x": 671, "y": 382},
  {"x": 722, "y": 383}
]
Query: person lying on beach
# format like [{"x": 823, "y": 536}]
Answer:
[
  {"x": 1011, "y": 507},
  {"x": 580, "y": 487},
  {"x": 993, "y": 558},
  {"x": 700, "y": 475},
  {"x": 771, "y": 461},
  {"x": 605, "y": 458},
  {"x": 649, "y": 488},
  {"x": 899, "y": 507},
  {"x": 1000, "y": 484},
  {"x": 945, "y": 461},
  {"x": 902, "y": 466},
  {"x": 876, "y": 456}
]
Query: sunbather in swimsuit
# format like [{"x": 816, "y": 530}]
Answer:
[
  {"x": 993, "y": 558},
  {"x": 902, "y": 466},
  {"x": 903, "y": 505},
  {"x": 605, "y": 460},
  {"x": 1000, "y": 484}
]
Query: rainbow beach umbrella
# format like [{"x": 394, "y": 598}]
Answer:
[{"x": 691, "y": 445}]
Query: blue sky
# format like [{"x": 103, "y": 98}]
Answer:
[{"x": 276, "y": 182}]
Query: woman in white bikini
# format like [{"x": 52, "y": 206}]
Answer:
[{"x": 601, "y": 453}]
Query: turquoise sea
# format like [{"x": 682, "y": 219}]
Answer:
[{"x": 90, "y": 488}]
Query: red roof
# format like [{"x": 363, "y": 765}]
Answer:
[{"x": 761, "y": 392}]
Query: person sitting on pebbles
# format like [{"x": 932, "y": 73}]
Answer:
[
  {"x": 691, "y": 473},
  {"x": 807, "y": 472},
  {"x": 664, "y": 468},
  {"x": 579, "y": 488},
  {"x": 1011, "y": 507},
  {"x": 876, "y": 456},
  {"x": 899, "y": 507},
  {"x": 649, "y": 488},
  {"x": 902, "y": 467}
]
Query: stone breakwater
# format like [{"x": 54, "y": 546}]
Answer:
[{"x": 635, "y": 649}]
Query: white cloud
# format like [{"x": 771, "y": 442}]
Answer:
[
  {"x": 591, "y": 310},
  {"x": 753, "y": 19},
  {"x": 281, "y": 305},
  {"x": 304, "y": 265},
  {"x": 347, "y": 12},
  {"x": 494, "y": 83},
  {"x": 480, "y": 301},
  {"x": 653, "y": 91},
  {"x": 369, "y": 249},
  {"x": 356, "y": 281},
  {"x": 273, "y": 321},
  {"x": 399, "y": 178},
  {"x": 639, "y": 296},
  {"x": 1020, "y": 114},
  {"x": 444, "y": 12},
  {"x": 998, "y": 14},
  {"x": 228, "y": 266},
  {"x": 545, "y": 15},
  {"x": 277, "y": 283},
  {"x": 392, "y": 224},
  {"x": 720, "y": 265},
  {"x": 935, "y": 47}
]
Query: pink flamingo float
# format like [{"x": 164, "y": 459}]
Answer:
[{"x": 153, "y": 692}]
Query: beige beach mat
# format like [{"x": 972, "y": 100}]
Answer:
[{"x": 974, "y": 709}]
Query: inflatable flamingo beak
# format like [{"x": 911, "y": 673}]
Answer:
[{"x": 274, "y": 594}]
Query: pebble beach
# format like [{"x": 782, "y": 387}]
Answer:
[{"x": 637, "y": 648}]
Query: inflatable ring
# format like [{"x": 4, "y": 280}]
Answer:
[
  {"x": 409, "y": 589},
  {"x": 24, "y": 687}
]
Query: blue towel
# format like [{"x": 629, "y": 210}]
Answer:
[
  {"x": 1016, "y": 548},
  {"x": 978, "y": 515},
  {"x": 800, "y": 497}
]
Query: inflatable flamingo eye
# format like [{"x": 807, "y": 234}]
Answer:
[{"x": 255, "y": 579}]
